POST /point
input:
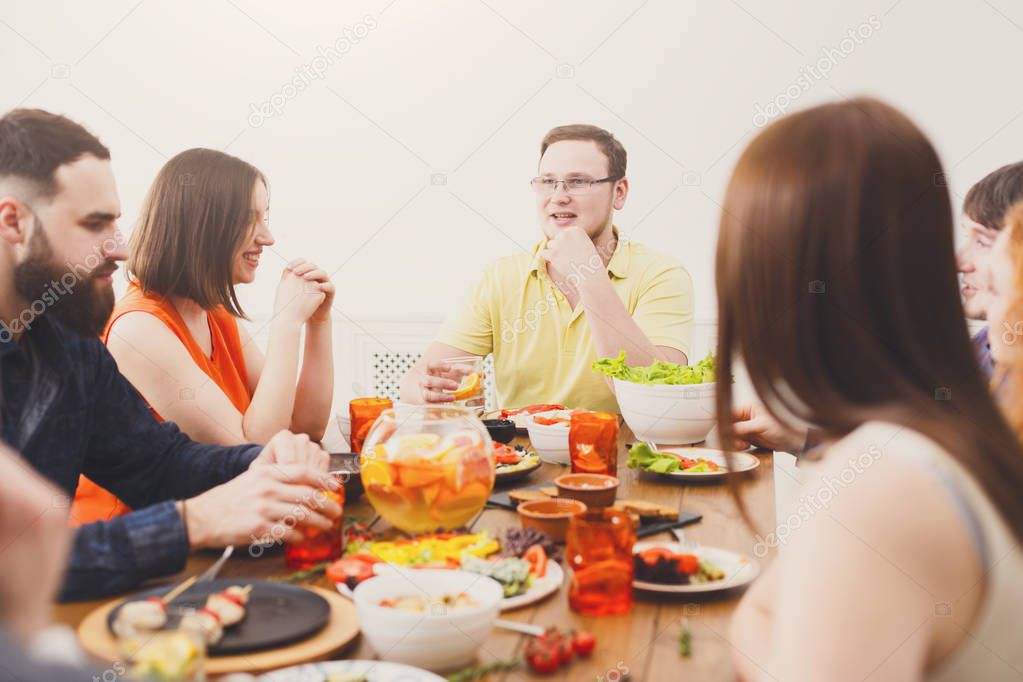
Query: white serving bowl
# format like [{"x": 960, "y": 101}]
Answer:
[
  {"x": 443, "y": 639},
  {"x": 667, "y": 414},
  {"x": 550, "y": 441}
]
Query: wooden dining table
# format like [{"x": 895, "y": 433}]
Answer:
[{"x": 641, "y": 645}]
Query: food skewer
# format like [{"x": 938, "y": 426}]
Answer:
[
  {"x": 151, "y": 613},
  {"x": 223, "y": 609}
]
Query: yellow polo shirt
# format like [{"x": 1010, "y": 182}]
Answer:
[{"x": 542, "y": 347}]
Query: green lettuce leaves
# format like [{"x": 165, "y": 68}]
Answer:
[
  {"x": 642, "y": 456},
  {"x": 658, "y": 373}
]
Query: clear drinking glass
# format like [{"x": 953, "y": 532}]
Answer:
[
  {"x": 163, "y": 655},
  {"x": 468, "y": 372}
]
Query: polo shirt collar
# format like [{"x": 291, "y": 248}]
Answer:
[{"x": 617, "y": 266}]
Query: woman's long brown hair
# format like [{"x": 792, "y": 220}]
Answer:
[
  {"x": 836, "y": 284},
  {"x": 194, "y": 219}
]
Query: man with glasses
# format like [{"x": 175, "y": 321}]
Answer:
[{"x": 583, "y": 293}]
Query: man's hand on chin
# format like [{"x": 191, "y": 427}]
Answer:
[{"x": 571, "y": 254}]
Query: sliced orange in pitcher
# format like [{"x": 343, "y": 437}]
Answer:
[
  {"x": 470, "y": 385},
  {"x": 453, "y": 509},
  {"x": 377, "y": 472},
  {"x": 415, "y": 473}
]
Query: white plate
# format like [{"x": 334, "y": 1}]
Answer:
[
  {"x": 375, "y": 671},
  {"x": 739, "y": 570},
  {"x": 540, "y": 588},
  {"x": 742, "y": 461}
]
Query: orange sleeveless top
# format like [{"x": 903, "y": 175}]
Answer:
[{"x": 225, "y": 366}]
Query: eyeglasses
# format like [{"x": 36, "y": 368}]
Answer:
[{"x": 573, "y": 186}]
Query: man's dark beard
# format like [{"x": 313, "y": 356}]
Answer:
[{"x": 75, "y": 302}]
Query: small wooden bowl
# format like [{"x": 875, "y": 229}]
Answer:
[
  {"x": 550, "y": 516},
  {"x": 593, "y": 490}
]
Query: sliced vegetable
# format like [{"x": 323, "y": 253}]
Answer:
[
  {"x": 537, "y": 558},
  {"x": 350, "y": 570}
]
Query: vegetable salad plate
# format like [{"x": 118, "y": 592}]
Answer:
[
  {"x": 674, "y": 568},
  {"x": 689, "y": 464},
  {"x": 514, "y": 463}
]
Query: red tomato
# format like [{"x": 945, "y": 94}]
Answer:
[
  {"x": 550, "y": 421},
  {"x": 537, "y": 558},
  {"x": 583, "y": 643},
  {"x": 543, "y": 660},
  {"x": 545, "y": 407},
  {"x": 564, "y": 649},
  {"x": 350, "y": 571},
  {"x": 688, "y": 563},
  {"x": 505, "y": 455}
]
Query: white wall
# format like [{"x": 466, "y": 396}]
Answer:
[{"x": 463, "y": 90}]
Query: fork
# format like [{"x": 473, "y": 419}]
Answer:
[
  {"x": 680, "y": 535},
  {"x": 211, "y": 572}
]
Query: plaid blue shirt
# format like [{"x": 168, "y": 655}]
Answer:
[{"x": 66, "y": 408}]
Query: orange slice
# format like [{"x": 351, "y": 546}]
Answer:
[
  {"x": 377, "y": 472},
  {"x": 470, "y": 385},
  {"x": 417, "y": 473}
]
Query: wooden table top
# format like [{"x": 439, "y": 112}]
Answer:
[{"x": 644, "y": 641}]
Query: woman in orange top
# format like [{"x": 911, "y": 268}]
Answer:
[{"x": 175, "y": 334}]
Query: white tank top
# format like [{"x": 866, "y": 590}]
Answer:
[{"x": 993, "y": 648}]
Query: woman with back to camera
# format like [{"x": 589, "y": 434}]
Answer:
[
  {"x": 836, "y": 282},
  {"x": 175, "y": 334}
]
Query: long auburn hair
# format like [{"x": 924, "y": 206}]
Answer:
[
  {"x": 836, "y": 284},
  {"x": 194, "y": 219}
]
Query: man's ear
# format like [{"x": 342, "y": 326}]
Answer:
[
  {"x": 621, "y": 192},
  {"x": 14, "y": 220}
]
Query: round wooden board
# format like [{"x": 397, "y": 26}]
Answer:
[{"x": 341, "y": 629}]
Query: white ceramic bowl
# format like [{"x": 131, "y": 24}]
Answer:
[
  {"x": 667, "y": 414},
  {"x": 550, "y": 441},
  {"x": 439, "y": 639}
]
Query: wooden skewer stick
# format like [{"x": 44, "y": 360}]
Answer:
[{"x": 176, "y": 592}]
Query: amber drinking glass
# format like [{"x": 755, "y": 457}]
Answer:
[
  {"x": 599, "y": 555},
  {"x": 593, "y": 443},
  {"x": 363, "y": 412},
  {"x": 318, "y": 545}
]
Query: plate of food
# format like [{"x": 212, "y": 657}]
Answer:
[
  {"x": 236, "y": 617},
  {"x": 689, "y": 464},
  {"x": 514, "y": 463},
  {"x": 675, "y": 568},
  {"x": 523, "y": 562},
  {"x": 521, "y": 415},
  {"x": 351, "y": 671}
]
